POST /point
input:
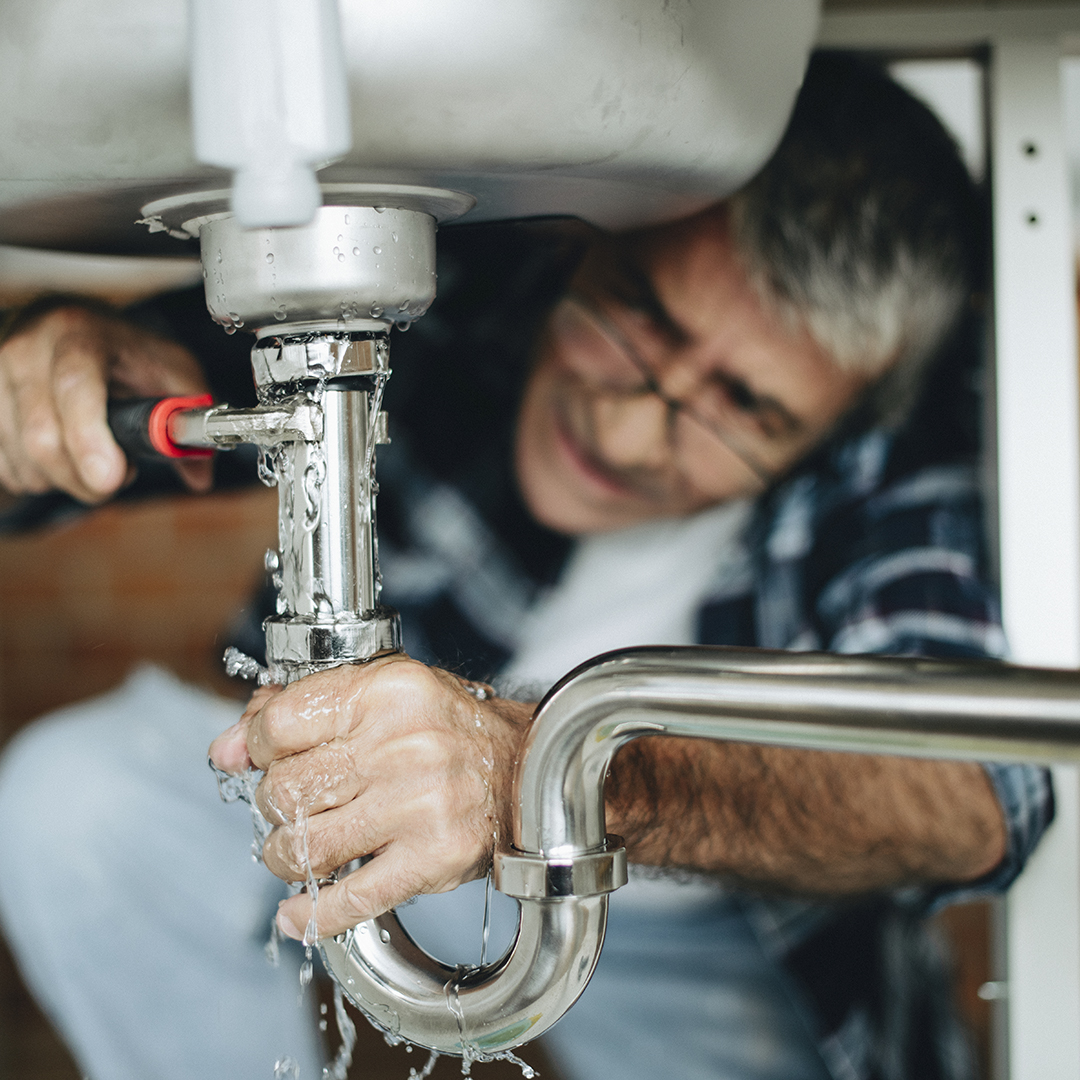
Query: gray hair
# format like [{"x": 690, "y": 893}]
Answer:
[{"x": 864, "y": 228}]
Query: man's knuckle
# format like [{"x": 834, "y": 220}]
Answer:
[
  {"x": 407, "y": 677},
  {"x": 42, "y": 437},
  {"x": 73, "y": 375},
  {"x": 425, "y": 750},
  {"x": 354, "y": 897},
  {"x": 64, "y": 320},
  {"x": 272, "y": 799},
  {"x": 274, "y": 856},
  {"x": 273, "y": 719}
]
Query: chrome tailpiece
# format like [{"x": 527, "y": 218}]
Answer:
[{"x": 321, "y": 299}]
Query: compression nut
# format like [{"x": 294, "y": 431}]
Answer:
[{"x": 533, "y": 877}]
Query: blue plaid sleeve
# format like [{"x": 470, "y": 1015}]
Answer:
[
  {"x": 1026, "y": 796},
  {"x": 914, "y": 583}
]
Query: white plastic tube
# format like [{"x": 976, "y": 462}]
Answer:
[{"x": 269, "y": 100}]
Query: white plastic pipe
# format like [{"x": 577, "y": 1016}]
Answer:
[{"x": 269, "y": 100}]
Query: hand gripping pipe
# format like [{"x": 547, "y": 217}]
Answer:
[{"x": 563, "y": 865}]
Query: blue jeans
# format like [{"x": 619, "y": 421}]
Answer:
[{"x": 130, "y": 899}]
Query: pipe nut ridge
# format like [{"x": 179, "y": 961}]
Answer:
[{"x": 526, "y": 876}]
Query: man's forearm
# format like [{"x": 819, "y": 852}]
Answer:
[{"x": 803, "y": 821}]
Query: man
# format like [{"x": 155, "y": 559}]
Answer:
[{"x": 688, "y": 433}]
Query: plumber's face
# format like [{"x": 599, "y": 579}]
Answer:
[{"x": 663, "y": 385}]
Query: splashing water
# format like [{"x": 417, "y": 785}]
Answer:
[
  {"x": 272, "y": 948},
  {"x": 240, "y": 787},
  {"x": 286, "y": 1069},
  {"x": 425, "y": 1072},
  {"x": 487, "y": 920},
  {"x": 312, "y": 481},
  {"x": 246, "y": 667},
  {"x": 374, "y": 406},
  {"x": 338, "y": 1069},
  {"x": 311, "y": 931},
  {"x": 266, "y": 467},
  {"x": 470, "y": 1053}
]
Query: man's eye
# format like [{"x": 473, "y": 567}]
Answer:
[
  {"x": 743, "y": 398},
  {"x": 728, "y": 396},
  {"x": 734, "y": 394}
]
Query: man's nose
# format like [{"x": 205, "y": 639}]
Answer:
[
  {"x": 679, "y": 378},
  {"x": 633, "y": 431}
]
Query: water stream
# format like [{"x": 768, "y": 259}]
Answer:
[{"x": 488, "y": 886}]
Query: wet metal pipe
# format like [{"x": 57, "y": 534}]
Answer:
[
  {"x": 562, "y": 864},
  {"x": 971, "y": 710}
]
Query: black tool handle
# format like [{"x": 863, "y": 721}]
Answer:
[{"x": 129, "y": 421}]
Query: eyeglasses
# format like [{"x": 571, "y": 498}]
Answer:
[{"x": 757, "y": 430}]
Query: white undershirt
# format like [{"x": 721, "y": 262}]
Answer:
[{"x": 638, "y": 586}]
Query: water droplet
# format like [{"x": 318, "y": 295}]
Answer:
[
  {"x": 356, "y": 251},
  {"x": 237, "y": 321},
  {"x": 269, "y": 256},
  {"x": 281, "y": 313},
  {"x": 219, "y": 254},
  {"x": 340, "y": 238},
  {"x": 346, "y": 219},
  {"x": 380, "y": 209},
  {"x": 402, "y": 325},
  {"x": 337, "y": 251},
  {"x": 286, "y": 1069},
  {"x": 363, "y": 928},
  {"x": 312, "y": 481},
  {"x": 341, "y": 256},
  {"x": 229, "y": 328},
  {"x": 394, "y": 235},
  {"x": 377, "y": 250},
  {"x": 384, "y": 936},
  {"x": 376, "y": 310}
]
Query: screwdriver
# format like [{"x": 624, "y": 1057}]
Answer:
[{"x": 152, "y": 428}]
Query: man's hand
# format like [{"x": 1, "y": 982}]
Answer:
[
  {"x": 56, "y": 375},
  {"x": 399, "y": 761},
  {"x": 390, "y": 759}
]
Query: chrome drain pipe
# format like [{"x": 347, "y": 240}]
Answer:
[{"x": 563, "y": 865}]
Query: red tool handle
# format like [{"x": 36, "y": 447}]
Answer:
[{"x": 141, "y": 426}]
